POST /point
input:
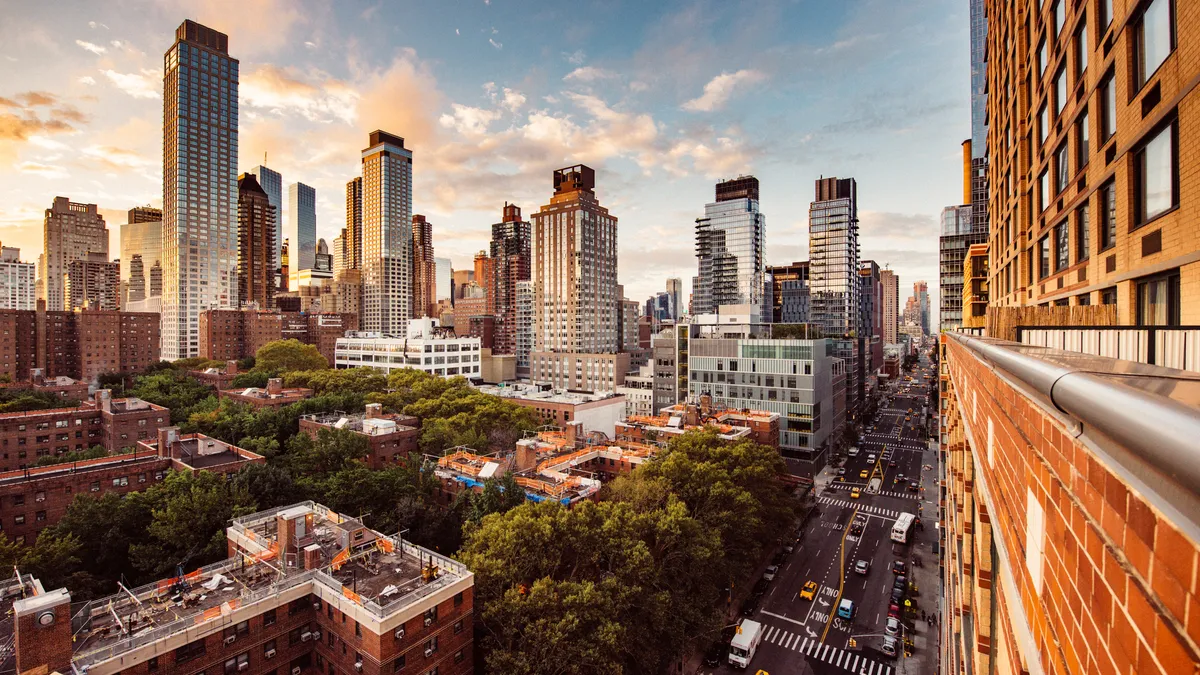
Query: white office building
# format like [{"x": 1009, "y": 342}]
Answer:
[
  {"x": 18, "y": 281},
  {"x": 425, "y": 347}
]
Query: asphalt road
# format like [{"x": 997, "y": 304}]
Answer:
[{"x": 801, "y": 635}]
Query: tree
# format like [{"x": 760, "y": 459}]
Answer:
[
  {"x": 267, "y": 485},
  {"x": 250, "y": 379},
  {"x": 282, "y": 356},
  {"x": 331, "y": 451},
  {"x": 24, "y": 400},
  {"x": 360, "y": 380},
  {"x": 497, "y": 496},
  {"x": 93, "y": 452},
  {"x": 174, "y": 389}
]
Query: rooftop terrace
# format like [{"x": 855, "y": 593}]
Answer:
[{"x": 370, "y": 423}]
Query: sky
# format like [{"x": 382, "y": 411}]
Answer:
[{"x": 663, "y": 99}]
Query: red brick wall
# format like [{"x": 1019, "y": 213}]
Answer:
[
  {"x": 123, "y": 430},
  {"x": 1118, "y": 591},
  {"x": 18, "y": 340}
]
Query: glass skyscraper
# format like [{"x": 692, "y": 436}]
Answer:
[
  {"x": 957, "y": 235},
  {"x": 979, "y": 151},
  {"x": 729, "y": 249},
  {"x": 833, "y": 257},
  {"x": 300, "y": 227},
  {"x": 387, "y": 234},
  {"x": 200, "y": 156},
  {"x": 272, "y": 183}
]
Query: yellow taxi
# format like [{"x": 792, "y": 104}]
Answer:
[
  {"x": 809, "y": 590},
  {"x": 854, "y": 494},
  {"x": 862, "y": 474}
]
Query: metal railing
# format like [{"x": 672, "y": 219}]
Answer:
[
  {"x": 1167, "y": 346},
  {"x": 1144, "y": 415}
]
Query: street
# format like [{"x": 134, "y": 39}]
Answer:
[{"x": 803, "y": 635}]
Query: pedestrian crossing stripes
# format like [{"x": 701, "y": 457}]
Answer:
[
  {"x": 878, "y": 511},
  {"x": 814, "y": 649},
  {"x": 886, "y": 493}
]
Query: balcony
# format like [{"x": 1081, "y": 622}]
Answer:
[{"x": 1070, "y": 510}]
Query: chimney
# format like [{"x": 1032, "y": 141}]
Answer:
[
  {"x": 103, "y": 399},
  {"x": 575, "y": 433},
  {"x": 312, "y": 557},
  {"x": 42, "y": 632},
  {"x": 274, "y": 386},
  {"x": 706, "y": 404},
  {"x": 168, "y": 439},
  {"x": 374, "y": 411},
  {"x": 36, "y": 375},
  {"x": 526, "y": 458},
  {"x": 231, "y": 367}
]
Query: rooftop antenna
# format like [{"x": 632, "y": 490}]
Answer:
[{"x": 264, "y": 157}]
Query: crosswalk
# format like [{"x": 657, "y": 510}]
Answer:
[
  {"x": 888, "y": 513},
  {"x": 887, "y": 493},
  {"x": 813, "y": 649}
]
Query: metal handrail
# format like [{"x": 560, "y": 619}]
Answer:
[{"x": 1156, "y": 429}]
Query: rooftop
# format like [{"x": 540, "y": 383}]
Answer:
[
  {"x": 296, "y": 393},
  {"x": 198, "y": 451},
  {"x": 369, "y": 424},
  {"x": 381, "y": 574},
  {"x": 532, "y": 392}
]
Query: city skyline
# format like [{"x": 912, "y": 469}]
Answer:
[{"x": 581, "y": 101}]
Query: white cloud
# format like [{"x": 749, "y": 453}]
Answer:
[
  {"x": 575, "y": 58},
  {"x": 310, "y": 44},
  {"x": 93, "y": 48},
  {"x": 489, "y": 87},
  {"x": 468, "y": 120},
  {"x": 116, "y": 43},
  {"x": 314, "y": 96},
  {"x": 495, "y": 44},
  {"x": 456, "y": 32},
  {"x": 718, "y": 91},
  {"x": 94, "y": 25},
  {"x": 589, "y": 74},
  {"x": 513, "y": 100},
  {"x": 143, "y": 85},
  {"x": 87, "y": 79},
  {"x": 638, "y": 86},
  {"x": 43, "y": 170}
]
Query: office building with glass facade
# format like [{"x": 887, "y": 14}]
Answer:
[
  {"x": 729, "y": 249},
  {"x": 833, "y": 257}
]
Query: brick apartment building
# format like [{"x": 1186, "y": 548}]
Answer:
[
  {"x": 34, "y": 499},
  {"x": 82, "y": 344},
  {"x": 392, "y": 437},
  {"x": 305, "y": 591},
  {"x": 230, "y": 334},
  {"x": 273, "y": 396},
  {"x": 116, "y": 424},
  {"x": 759, "y": 426},
  {"x": 62, "y": 386},
  {"x": 217, "y": 378}
]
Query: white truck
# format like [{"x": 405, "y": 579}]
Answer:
[{"x": 745, "y": 643}]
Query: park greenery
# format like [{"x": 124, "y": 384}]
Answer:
[{"x": 621, "y": 585}]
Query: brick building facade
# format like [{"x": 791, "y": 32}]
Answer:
[
  {"x": 231, "y": 334},
  {"x": 392, "y": 437},
  {"x": 82, "y": 344},
  {"x": 310, "y": 592}
]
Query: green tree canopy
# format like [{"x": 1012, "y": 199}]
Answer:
[
  {"x": 359, "y": 380},
  {"x": 174, "y": 389},
  {"x": 282, "y": 356}
]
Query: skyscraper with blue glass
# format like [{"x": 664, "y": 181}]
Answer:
[{"x": 200, "y": 190}]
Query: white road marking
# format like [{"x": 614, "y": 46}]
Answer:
[{"x": 804, "y": 646}]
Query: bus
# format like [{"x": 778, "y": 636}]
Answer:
[{"x": 902, "y": 527}]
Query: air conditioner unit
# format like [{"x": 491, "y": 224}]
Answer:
[
  {"x": 358, "y": 666},
  {"x": 230, "y": 640},
  {"x": 399, "y": 633},
  {"x": 296, "y": 670},
  {"x": 243, "y": 665},
  {"x": 39, "y": 499},
  {"x": 316, "y": 635},
  {"x": 305, "y": 637},
  {"x": 428, "y": 620},
  {"x": 317, "y": 605},
  {"x": 270, "y": 654},
  {"x": 428, "y": 652}
]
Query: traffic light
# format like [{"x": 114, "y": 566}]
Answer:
[{"x": 853, "y": 643}]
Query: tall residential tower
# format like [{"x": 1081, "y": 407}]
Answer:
[
  {"x": 424, "y": 269},
  {"x": 387, "y": 234},
  {"x": 200, "y": 153},
  {"x": 271, "y": 183},
  {"x": 729, "y": 247},
  {"x": 833, "y": 257},
  {"x": 71, "y": 231},
  {"x": 256, "y": 244},
  {"x": 300, "y": 228},
  {"x": 510, "y": 253}
]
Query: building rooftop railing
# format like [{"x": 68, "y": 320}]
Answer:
[{"x": 1145, "y": 417}]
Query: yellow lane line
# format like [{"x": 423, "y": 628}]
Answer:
[{"x": 841, "y": 578}]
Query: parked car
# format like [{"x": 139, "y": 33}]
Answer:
[
  {"x": 780, "y": 558},
  {"x": 789, "y": 547},
  {"x": 770, "y": 572},
  {"x": 750, "y": 606},
  {"x": 889, "y": 646},
  {"x": 716, "y": 653},
  {"x": 900, "y": 582},
  {"x": 899, "y": 567},
  {"x": 897, "y": 595},
  {"x": 894, "y": 610},
  {"x": 913, "y": 486},
  {"x": 892, "y": 627},
  {"x": 760, "y": 588},
  {"x": 862, "y": 566}
]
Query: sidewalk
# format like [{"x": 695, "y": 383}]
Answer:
[{"x": 927, "y": 577}]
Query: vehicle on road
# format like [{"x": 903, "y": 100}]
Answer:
[
  {"x": 862, "y": 566},
  {"x": 745, "y": 643},
  {"x": 894, "y": 610},
  {"x": 853, "y": 451},
  {"x": 845, "y": 609},
  {"x": 770, "y": 572},
  {"x": 855, "y": 494},
  {"x": 841, "y": 471},
  {"x": 913, "y": 486},
  {"x": 900, "y": 582},
  {"x": 789, "y": 547},
  {"x": 716, "y": 654},
  {"x": 780, "y": 558},
  {"x": 760, "y": 588},
  {"x": 750, "y": 606},
  {"x": 899, "y": 567},
  {"x": 870, "y": 459},
  {"x": 892, "y": 464},
  {"x": 809, "y": 591},
  {"x": 889, "y": 646},
  {"x": 902, "y": 528},
  {"x": 892, "y": 627},
  {"x": 863, "y": 473},
  {"x": 874, "y": 485},
  {"x": 897, "y": 595}
]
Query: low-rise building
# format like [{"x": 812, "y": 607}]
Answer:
[
  {"x": 63, "y": 387},
  {"x": 598, "y": 411},
  {"x": 305, "y": 589},
  {"x": 117, "y": 425},
  {"x": 426, "y": 347},
  {"x": 638, "y": 391},
  {"x": 273, "y": 396},
  {"x": 392, "y": 437},
  {"x": 227, "y": 334},
  {"x": 217, "y": 378},
  {"x": 82, "y": 344},
  {"x": 36, "y": 498},
  {"x": 759, "y": 426}
]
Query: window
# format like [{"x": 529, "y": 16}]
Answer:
[
  {"x": 40, "y": 516},
  {"x": 1043, "y": 124},
  {"x": 269, "y": 648},
  {"x": 1062, "y": 168},
  {"x": 19, "y": 520},
  {"x": 1083, "y": 299},
  {"x": 432, "y": 644},
  {"x": 18, "y": 500},
  {"x": 294, "y": 635},
  {"x": 1154, "y": 176},
  {"x": 1108, "y": 216},
  {"x": 398, "y": 664},
  {"x": 1081, "y": 51},
  {"x": 1061, "y": 247},
  {"x": 1060, "y": 16},
  {"x": 458, "y": 599},
  {"x": 1044, "y": 257},
  {"x": 1042, "y": 59},
  {"x": 1106, "y": 13},
  {"x": 357, "y": 629},
  {"x": 1082, "y": 234},
  {"x": 458, "y": 627},
  {"x": 1060, "y": 90},
  {"x": 1154, "y": 39},
  {"x": 152, "y": 664},
  {"x": 189, "y": 651},
  {"x": 1158, "y": 300},
  {"x": 459, "y": 656},
  {"x": 1082, "y": 149},
  {"x": 239, "y": 662},
  {"x": 268, "y": 617},
  {"x": 1108, "y": 108},
  {"x": 1043, "y": 191},
  {"x": 1108, "y": 296}
]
